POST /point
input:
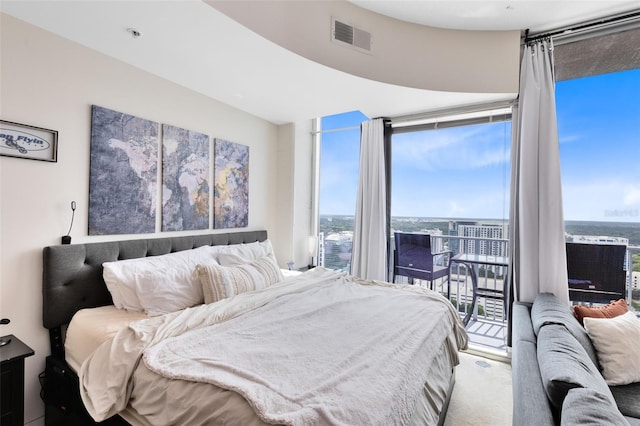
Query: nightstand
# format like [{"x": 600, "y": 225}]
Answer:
[{"x": 12, "y": 358}]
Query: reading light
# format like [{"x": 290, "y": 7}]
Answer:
[{"x": 67, "y": 238}]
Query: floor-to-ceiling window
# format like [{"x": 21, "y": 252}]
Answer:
[
  {"x": 597, "y": 86},
  {"x": 450, "y": 179},
  {"x": 599, "y": 129},
  {"x": 339, "y": 158}
]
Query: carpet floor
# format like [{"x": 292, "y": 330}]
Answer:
[{"x": 482, "y": 393}]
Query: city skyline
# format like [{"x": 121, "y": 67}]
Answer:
[{"x": 464, "y": 172}]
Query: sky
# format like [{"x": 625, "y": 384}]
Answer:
[{"x": 465, "y": 172}]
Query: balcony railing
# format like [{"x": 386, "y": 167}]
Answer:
[
  {"x": 633, "y": 280},
  {"x": 487, "y": 326},
  {"x": 488, "y": 322}
]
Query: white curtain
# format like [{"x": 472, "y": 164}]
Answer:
[
  {"x": 369, "y": 255},
  {"x": 537, "y": 244}
]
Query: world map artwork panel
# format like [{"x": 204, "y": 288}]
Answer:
[
  {"x": 185, "y": 179},
  {"x": 231, "y": 189},
  {"x": 123, "y": 173}
]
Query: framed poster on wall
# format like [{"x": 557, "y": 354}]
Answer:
[{"x": 30, "y": 142}]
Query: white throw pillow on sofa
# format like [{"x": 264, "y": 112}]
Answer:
[{"x": 617, "y": 342}]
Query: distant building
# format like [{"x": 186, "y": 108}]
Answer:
[
  {"x": 335, "y": 250},
  {"x": 596, "y": 239},
  {"x": 483, "y": 237}
]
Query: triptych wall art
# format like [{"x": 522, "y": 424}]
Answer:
[
  {"x": 185, "y": 179},
  {"x": 231, "y": 193},
  {"x": 123, "y": 176},
  {"x": 123, "y": 186}
]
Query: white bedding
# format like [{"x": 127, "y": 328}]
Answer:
[
  {"x": 108, "y": 375},
  {"x": 89, "y": 328},
  {"x": 92, "y": 327}
]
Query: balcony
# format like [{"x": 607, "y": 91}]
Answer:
[
  {"x": 487, "y": 325},
  {"x": 487, "y": 319}
]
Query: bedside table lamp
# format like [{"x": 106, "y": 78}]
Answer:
[
  {"x": 4, "y": 341},
  {"x": 313, "y": 250}
]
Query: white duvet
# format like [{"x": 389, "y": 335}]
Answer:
[{"x": 321, "y": 348}]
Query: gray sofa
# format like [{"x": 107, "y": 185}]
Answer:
[{"x": 556, "y": 378}]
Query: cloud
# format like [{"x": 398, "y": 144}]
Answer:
[
  {"x": 455, "y": 209},
  {"x": 570, "y": 138},
  {"x": 611, "y": 199},
  {"x": 632, "y": 195},
  {"x": 465, "y": 148}
]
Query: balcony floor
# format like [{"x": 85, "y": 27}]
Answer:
[
  {"x": 484, "y": 333},
  {"x": 488, "y": 334}
]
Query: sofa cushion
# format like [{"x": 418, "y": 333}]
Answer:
[
  {"x": 548, "y": 309},
  {"x": 565, "y": 365},
  {"x": 529, "y": 398},
  {"x": 588, "y": 407},
  {"x": 628, "y": 399}
]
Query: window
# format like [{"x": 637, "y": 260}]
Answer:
[
  {"x": 450, "y": 179},
  {"x": 339, "y": 158},
  {"x": 598, "y": 125}
]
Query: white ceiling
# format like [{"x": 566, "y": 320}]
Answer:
[
  {"x": 194, "y": 45},
  {"x": 536, "y": 15}
]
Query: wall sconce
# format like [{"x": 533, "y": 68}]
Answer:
[
  {"x": 67, "y": 238},
  {"x": 313, "y": 250}
]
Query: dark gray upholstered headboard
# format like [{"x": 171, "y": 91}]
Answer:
[{"x": 72, "y": 274}]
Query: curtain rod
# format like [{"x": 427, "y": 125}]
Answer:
[
  {"x": 341, "y": 129},
  {"x": 628, "y": 17},
  {"x": 457, "y": 110}
]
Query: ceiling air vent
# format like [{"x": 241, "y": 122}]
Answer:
[{"x": 352, "y": 36}]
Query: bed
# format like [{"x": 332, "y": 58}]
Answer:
[{"x": 311, "y": 348}]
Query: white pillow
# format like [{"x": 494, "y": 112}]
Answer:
[
  {"x": 219, "y": 282},
  {"x": 244, "y": 253},
  {"x": 169, "y": 289},
  {"x": 130, "y": 281},
  {"x": 617, "y": 343},
  {"x": 119, "y": 278}
]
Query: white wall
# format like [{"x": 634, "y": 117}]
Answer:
[
  {"x": 293, "y": 192},
  {"x": 282, "y": 191},
  {"x": 302, "y": 191},
  {"x": 50, "y": 82}
]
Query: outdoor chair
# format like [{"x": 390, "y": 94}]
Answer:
[
  {"x": 415, "y": 259},
  {"x": 596, "y": 272}
]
